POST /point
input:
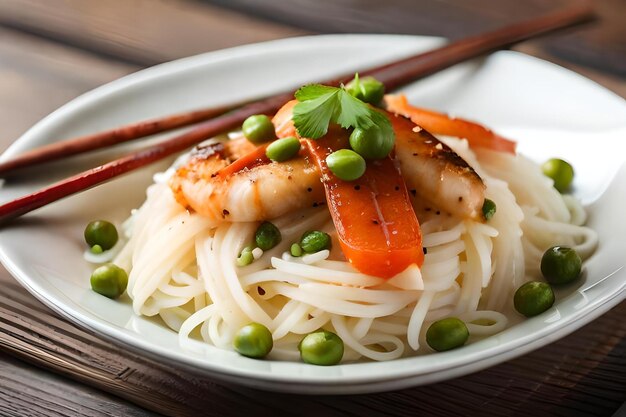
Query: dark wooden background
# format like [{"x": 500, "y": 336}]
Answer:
[{"x": 54, "y": 50}]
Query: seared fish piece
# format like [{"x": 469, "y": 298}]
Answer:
[
  {"x": 435, "y": 173},
  {"x": 251, "y": 189}
]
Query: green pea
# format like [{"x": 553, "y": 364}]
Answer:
[
  {"x": 102, "y": 233},
  {"x": 347, "y": 165},
  {"x": 246, "y": 257},
  {"x": 533, "y": 298},
  {"x": 295, "y": 250},
  {"x": 371, "y": 143},
  {"x": 561, "y": 173},
  {"x": 315, "y": 241},
  {"x": 560, "y": 265},
  {"x": 321, "y": 348},
  {"x": 258, "y": 129},
  {"x": 367, "y": 89},
  {"x": 109, "y": 280},
  {"x": 489, "y": 209},
  {"x": 446, "y": 334},
  {"x": 283, "y": 149},
  {"x": 267, "y": 236},
  {"x": 253, "y": 340}
]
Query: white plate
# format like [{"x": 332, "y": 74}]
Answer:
[{"x": 551, "y": 111}]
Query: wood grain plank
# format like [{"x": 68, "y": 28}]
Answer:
[
  {"x": 601, "y": 45},
  {"x": 26, "y": 390},
  {"x": 143, "y": 32},
  {"x": 449, "y": 18},
  {"x": 37, "y": 76}
]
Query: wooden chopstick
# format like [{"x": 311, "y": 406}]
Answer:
[
  {"x": 393, "y": 75},
  {"x": 132, "y": 131}
]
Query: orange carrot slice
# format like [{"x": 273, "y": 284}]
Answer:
[
  {"x": 442, "y": 124},
  {"x": 376, "y": 224},
  {"x": 250, "y": 160}
]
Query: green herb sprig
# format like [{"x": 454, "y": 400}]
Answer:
[{"x": 320, "y": 105}]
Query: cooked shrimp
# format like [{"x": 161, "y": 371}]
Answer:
[
  {"x": 253, "y": 188},
  {"x": 432, "y": 171}
]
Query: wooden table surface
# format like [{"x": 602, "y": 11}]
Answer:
[{"x": 53, "y": 50}]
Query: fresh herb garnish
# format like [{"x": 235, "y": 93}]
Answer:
[
  {"x": 367, "y": 89},
  {"x": 320, "y": 105}
]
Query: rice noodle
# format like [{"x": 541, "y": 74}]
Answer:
[{"x": 182, "y": 268}]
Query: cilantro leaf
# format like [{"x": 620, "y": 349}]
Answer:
[
  {"x": 313, "y": 91},
  {"x": 320, "y": 105},
  {"x": 354, "y": 113},
  {"x": 312, "y": 117}
]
